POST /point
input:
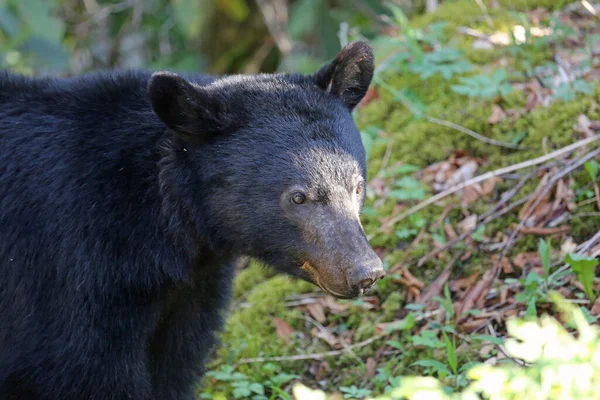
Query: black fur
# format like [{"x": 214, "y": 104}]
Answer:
[{"x": 125, "y": 200}]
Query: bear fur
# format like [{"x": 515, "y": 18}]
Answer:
[{"x": 125, "y": 200}]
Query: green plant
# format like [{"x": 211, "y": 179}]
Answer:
[
  {"x": 354, "y": 392},
  {"x": 544, "y": 250},
  {"x": 592, "y": 169},
  {"x": 563, "y": 366},
  {"x": 584, "y": 267},
  {"x": 445, "y": 61},
  {"x": 484, "y": 86}
]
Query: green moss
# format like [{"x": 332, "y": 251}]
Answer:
[
  {"x": 251, "y": 276},
  {"x": 252, "y": 328},
  {"x": 525, "y": 5},
  {"x": 391, "y": 305}
]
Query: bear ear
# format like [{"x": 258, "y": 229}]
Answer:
[
  {"x": 187, "y": 110},
  {"x": 349, "y": 75}
]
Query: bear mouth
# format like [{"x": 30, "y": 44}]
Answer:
[{"x": 312, "y": 271}]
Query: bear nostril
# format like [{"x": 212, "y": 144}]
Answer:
[{"x": 365, "y": 283}]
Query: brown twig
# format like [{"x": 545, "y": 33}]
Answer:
[
  {"x": 463, "y": 236},
  {"x": 435, "y": 288},
  {"x": 540, "y": 196},
  {"x": 483, "y": 177},
  {"x": 469, "y": 132},
  {"x": 312, "y": 356}
]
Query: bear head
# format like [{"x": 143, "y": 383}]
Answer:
[{"x": 275, "y": 167}]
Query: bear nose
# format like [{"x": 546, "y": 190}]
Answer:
[{"x": 367, "y": 274}]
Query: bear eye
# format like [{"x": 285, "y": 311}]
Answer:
[
  {"x": 298, "y": 198},
  {"x": 359, "y": 188}
]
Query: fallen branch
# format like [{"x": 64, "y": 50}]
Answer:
[
  {"x": 463, "y": 236},
  {"x": 312, "y": 356},
  {"x": 481, "y": 178},
  {"x": 406, "y": 103},
  {"x": 540, "y": 196},
  {"x": 469, "y": 132}
]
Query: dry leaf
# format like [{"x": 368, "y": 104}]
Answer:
[
  {"x": 317, "y": 311},
  {"x": 596, "y": 307},
  {"x": 435, "y": 288},
  {"x": 584, "y": 126},
  {"x": 464, "y": 173},
  {"x": 531, "y": 259},
  {"x": 470, "y": 195},
  {"x": 498, "y": 114},
  {"x": 335, "y": 307},
  {"x": 371, "y": 95},
  {"x": 450, "y": 232},
  {"x": 371, "y": 367},
  {"x": 327, "y": 336},
  {"x": 477, "y": 292},
  {"x": 467, "y": 224},
  {"x": 488, "y": 186},
  {"x": 282, "y": 329},
  {"x": 505, "y": 264},
  {"x": 463, "y": 283}
]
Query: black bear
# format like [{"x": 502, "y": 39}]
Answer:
[{"x": 126, "y": 197}]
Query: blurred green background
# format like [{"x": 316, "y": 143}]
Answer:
[{"x": 217, "y": 36}]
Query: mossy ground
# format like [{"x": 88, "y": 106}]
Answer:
[{"x": 260, "y": 296}]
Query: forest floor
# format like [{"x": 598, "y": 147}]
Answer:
[{"x": 482, "y": 130}]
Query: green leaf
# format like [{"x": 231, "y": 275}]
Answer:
[
  {"x": 38, "y": 16},
  {"x": 436, "y": 365},
  {"x": 257, "y": 388},
  {"x": 489, "y": 338},
  {"x": 451, "y": 352},
  {"x": 407, "y": 194},
  {"x": 237, "y": 10},
  {"x": 406, "y": 233},
  {"x": 395, "y": 344},
  {"x": 9, "y": 22},
  {"x": 531, "y": 308},
  {"x": 402, "y": 169},
  {"x": 544, "y": 249},
  {"x": 591, "y": 167},
  {"x": 190, "y": 15},
  {"x": 303, "y": 17},
  {"x": 584, "y": 267},
  {"x": 408, "y": 182}
]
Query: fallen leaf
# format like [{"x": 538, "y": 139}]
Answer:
[
  {"x": 450, "y": 232},
  {"x": 584, "y": 126},
  {"x": 470, "y": 195},
  {"x": 334, "y": 306},
  {"x": 371, "y": 95},
  {"x": 568, "y": 246},
  {"x": 531, "y": 259},
  {"x": 505, "y": 264},
  {"x": 435, "y": 288},
  {"x": 282, "y": 329},
  {"x": 463, "y": 283},
  {"x": 464, "y": 173},
  {"x": 488, "y": 186},
  {"x": 327, "y": 336},
  {"x": 411, "y": 280},
  {"x": 532, "y": 101},
  {"x": 371, "y": 367},
  {"x": 467, "y": 224},
  {"x": 596, "y": 307},
  {"x": 477, "y": 292},
  {"x": 317, "y": 311},
  {"x": 498, "y": 114}
]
